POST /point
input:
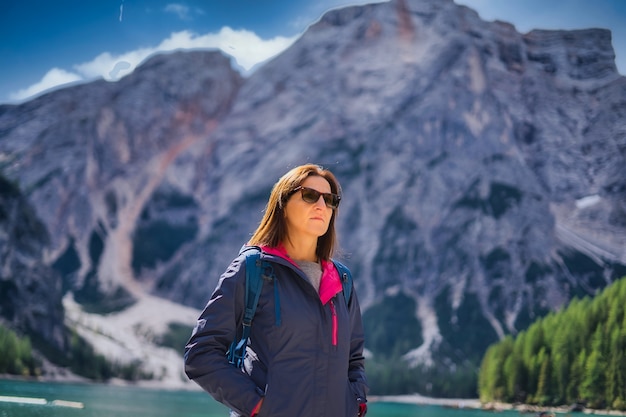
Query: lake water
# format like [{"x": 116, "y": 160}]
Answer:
[{"x": 115, "y": 401}]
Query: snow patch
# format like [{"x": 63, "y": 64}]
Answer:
[
  {"x": 128, "y": 336},
  {"x": 430, "y": 333},
  {"x": 588, "y": 201}
]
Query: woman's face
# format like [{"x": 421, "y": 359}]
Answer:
[{"x": 304, "y": 219}]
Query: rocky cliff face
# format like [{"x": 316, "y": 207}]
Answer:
[
  {"x": 30, "y": 290},
  {"x": 90, "y": 158},
  {"x": 483, "y": 170}
]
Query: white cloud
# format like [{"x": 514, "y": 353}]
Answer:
[
  {"x": 104, "y": 64},
  {"x": 182, "y": 11},
  {"x": 53, "y": 78},
  {"x": 244, "y": 46}
]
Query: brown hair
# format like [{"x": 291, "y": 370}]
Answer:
[{"x": 273, "y": 227}]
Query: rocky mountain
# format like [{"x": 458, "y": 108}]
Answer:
[
  {"x": 30, "y": 290},
  {"x": 483, "y": 170}
]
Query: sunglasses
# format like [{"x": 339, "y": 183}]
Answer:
[{"x": 311, "y": 196}]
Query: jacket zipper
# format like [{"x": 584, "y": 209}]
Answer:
[{"x": 334, "y": 314}]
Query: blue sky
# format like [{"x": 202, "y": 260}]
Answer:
[{"x": 46, "y": 44}]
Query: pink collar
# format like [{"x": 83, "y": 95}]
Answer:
[{"x": 330, "y": 284}]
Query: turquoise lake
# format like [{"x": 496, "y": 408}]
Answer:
[{"x": 115, "y": 401}]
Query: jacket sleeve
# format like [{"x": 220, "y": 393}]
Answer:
[
  {"x": 205, "y": 353},
  {"x": 356, "y": 368}
]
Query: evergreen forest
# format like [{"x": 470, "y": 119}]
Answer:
[
  {"x": 16, "y": 354},
  {"x": 574, "y": 356}
]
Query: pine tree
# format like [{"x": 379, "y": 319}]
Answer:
[
  {"x": 491, "y": 377},
  {"x": 542, "y": 396},
  {"x": 592, "y": 387}
]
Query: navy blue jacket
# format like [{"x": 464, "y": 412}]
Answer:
[{"x": 305, "y": 362}]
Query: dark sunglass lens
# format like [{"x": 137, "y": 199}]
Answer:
[
  {"x": 330, "y": 200},
  {"x": 310, "y": 196}
]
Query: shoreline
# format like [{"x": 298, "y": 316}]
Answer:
[
  {"x": 475, "y": 403},
  {"x": 416, "y": 399},
  {"x": 422, "y": 400}
]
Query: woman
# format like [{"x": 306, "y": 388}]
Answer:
[{"x": 309, "y": 360}]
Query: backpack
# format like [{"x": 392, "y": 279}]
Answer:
[{"x": 258, "y": 271}]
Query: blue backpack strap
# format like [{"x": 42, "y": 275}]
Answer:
[
  {"x": 254, "y": 284},
  {"x": 346, "y": 280}
]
